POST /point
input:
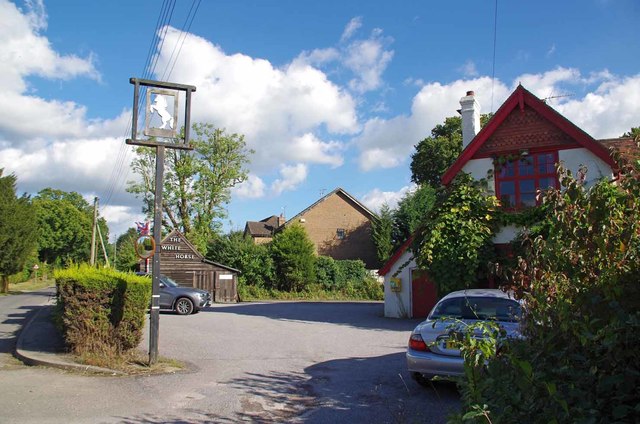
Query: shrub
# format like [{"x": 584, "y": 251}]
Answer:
[
  {"x": 580, "y": 360},
  {"x": 294, "y": 258},
  {"x": 101, "y": 310},
  {"x": 253, "y": 260}
]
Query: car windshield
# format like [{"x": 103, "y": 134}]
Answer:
[
  {"x": 478, "y": 308},
  {"x": 168, "y": 281}
]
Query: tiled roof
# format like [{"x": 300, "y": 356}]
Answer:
[
  {"x": 626, "y": 147},
  {"x": 263, "y": 228}
]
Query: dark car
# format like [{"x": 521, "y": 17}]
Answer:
[{"x": 182, "y": 300}]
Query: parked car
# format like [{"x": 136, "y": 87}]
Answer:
[
  {"x": 182, "y": 300},
  {"x": 431, "y": 352}
]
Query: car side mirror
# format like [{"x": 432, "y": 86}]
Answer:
[{"x": 162, "y": 285}]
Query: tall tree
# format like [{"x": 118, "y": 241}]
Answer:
[
  {"x": 125, "y": 256},
  {"x": 436, "y": 153},
  {"x": 381, "y": 233},
  {"x": 65, "y": 223},
  {"x": 293, "y": 254},
  {"x": 18, "y": 230},
  {"x": 197, "y": 184},
  {"x": 411, "y": 212}
]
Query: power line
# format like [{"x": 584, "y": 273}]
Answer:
[
  {"x": 495, "y": 37},
  {"x": 164, "y": 18}
]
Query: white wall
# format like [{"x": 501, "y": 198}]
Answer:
[
  {"x": 398, "y": 304},
  {"x": 478, "y": 168},
  {"x": 596, "y": 167}
]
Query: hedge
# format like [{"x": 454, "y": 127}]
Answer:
[{"x": 101, "y": 310}]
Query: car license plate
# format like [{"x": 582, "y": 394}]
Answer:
[{"x": 450, "y": 344}]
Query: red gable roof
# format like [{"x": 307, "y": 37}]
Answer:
[
  {"x": 397, "y": 254},
  {"x": 519, "y": 99}
]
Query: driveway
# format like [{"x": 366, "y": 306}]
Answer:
[{"x": 255, "y": 362}]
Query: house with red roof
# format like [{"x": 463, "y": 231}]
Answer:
[{"x": 517, "y": 151}]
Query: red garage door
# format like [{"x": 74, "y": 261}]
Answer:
[{"x": 423, "y": 294}]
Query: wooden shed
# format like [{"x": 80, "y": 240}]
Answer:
[{"x": 180, "y": 260}]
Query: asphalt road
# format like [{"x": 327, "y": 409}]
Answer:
[{"x": 253, "y": 362}]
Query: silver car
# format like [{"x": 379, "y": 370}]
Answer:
[{"x": 432, "y": 353}]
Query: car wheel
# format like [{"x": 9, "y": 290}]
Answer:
[{"x": 184, "y": 306}]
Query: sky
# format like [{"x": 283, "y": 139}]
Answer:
[{"x": 327, "y": 94}]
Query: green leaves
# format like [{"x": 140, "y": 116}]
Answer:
[{"x": 197, "y": 183}]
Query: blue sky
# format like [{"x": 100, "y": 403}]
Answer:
[{"x": 328, "y": 94}]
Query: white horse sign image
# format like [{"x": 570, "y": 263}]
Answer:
[{"x": 161, "y": 113}]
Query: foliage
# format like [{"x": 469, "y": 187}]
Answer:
[
  {"x": 580, "y": 360},
  {"x": 410, "y": 213},
  {"x": 436, "y": 153},
  {"x": 253, "y": 260},
  {"x": 368, "y": 289},
  {"x": 294, "y": 256},
  {"x": 633, "y": 133},
  {"x": 18, "y": 231},
  {"x": 126, "y": 258},
  {"x": 101, "y": 310},
  {"x": 65, "y": 223},
  {"x": 381, "y": 233},
  {"x": 335, "y": 275},
  {"x": 454, "y": 243},
  {"x": 197, "y": 184}
]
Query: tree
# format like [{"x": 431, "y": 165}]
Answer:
[
  {"x": 65, "y": 223},
  {"x": 436, "y": 153},
  {"x": 633, "y": 133},
  {"x": 411, "y": 212},
  {"x": 197, "y": 184},
  {"x": 381, "y": 233},
  {"x": 18, "y": 231},
  {"x": 126, "y": 258},
  {"x": 294, "y": 257},
  {"x": 253, "y": 260}
]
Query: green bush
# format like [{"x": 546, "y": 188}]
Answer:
[
  {"x": 101, "y": 310},
  {"x": 580, "y": 360},
  {"x": 293, "y": 254},
  {"x": 253, "y": 260}
]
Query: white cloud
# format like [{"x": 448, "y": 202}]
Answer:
[
  {"x": 353, "y": 25},
  {"x": 252, "y": 188},
  {"x": 279, "y": 110},
  {"x": 368, "y": 59},
  {"x": 551, "y": 50},
  {"x": 469, "y": 69},
  {"x": 376, "y": 198},
  {"x": 290, "y": 178},
  {"x": 387, "y": 143},
  {"x": 609, "y": 111}
]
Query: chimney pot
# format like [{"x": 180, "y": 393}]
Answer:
[{"x": 470, "y": 93}]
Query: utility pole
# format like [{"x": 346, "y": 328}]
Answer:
[{"x": 93, "y": 232}]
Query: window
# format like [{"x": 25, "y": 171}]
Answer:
[
  {"x": 518, "y": 181},
  {"x": 341, "y": 233}
]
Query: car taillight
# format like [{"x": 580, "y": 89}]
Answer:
[{"x": 416, "y": 343}]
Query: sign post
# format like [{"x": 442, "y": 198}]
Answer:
[{"x": 161, "y": 118}]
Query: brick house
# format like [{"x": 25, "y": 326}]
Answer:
[
  {"x": 338, "y": 225},
  {"x": 517, "y": 152}
]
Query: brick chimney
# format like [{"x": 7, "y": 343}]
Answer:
[
  {"x": 470, "y": 112},
  {"x": 281, "y": 220}
]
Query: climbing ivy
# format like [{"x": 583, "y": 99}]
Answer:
[{"x": 454, "y": 243}]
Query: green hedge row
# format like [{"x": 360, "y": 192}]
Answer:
[{"x": 101, "y": 310}]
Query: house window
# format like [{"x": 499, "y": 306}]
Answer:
[
  {"x": 517, "y": 181},
  {"x": 340, "y": 233}
]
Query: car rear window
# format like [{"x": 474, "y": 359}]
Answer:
[{"x": 478, "y": 308}]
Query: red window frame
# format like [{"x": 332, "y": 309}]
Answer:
[{"x": 518, "y": 181}]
